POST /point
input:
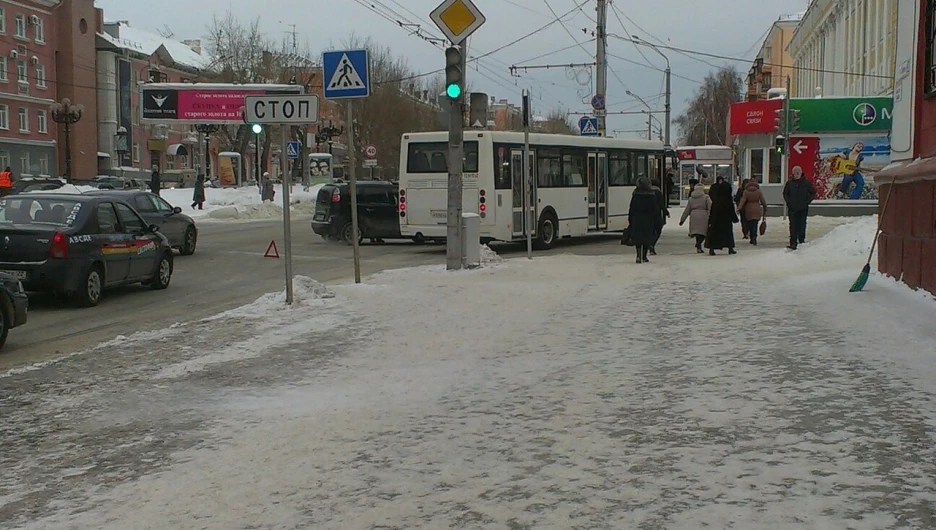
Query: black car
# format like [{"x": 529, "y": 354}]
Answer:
[
  {"x": 378, "y": 212},
  {"x": 179, "y": 228},
  {"x": 80, "y": 245},
  {"x": 14, "y": 305},
  {"x": 25, "y": 185}
]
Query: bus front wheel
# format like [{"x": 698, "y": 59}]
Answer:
[{"x": 547, "y": 231}]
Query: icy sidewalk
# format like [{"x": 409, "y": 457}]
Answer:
[{"x": 738, "y": 392}]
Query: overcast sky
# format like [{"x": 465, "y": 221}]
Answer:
[{"x": 732, "y": 28}]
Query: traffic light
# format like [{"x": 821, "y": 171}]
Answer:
[
  {"x": 454, "y": 76},
  {"x": 478, "y": 109},
  {"x": 778, "y": 121},
  {"x": 794, "y": 121},
  {"x": 781, "y": 144},
  {"x": 257, "y": 128}
]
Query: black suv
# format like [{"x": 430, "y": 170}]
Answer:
[
  {"x": 13, "y": 305},
  {"x": 378, "y": 213}
]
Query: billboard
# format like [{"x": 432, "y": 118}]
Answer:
[
  {"x": 842, "y": 167},
  {"x": 754, "y": 117},
  {"x": 202, "y": 102}
]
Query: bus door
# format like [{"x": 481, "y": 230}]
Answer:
[
  {"x": 597, "y": 191},
  {"x": 516, "y": 171}
]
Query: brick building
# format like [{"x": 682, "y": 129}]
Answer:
[
  {"x": 907, "y": 248},
  {"x": 28, "y": 36}
]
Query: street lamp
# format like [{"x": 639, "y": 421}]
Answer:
[
  {"x": 120, "y": 145},
  {"x": 207, "y": 129},
  {"x": 325, "y": 134},
  {"x": 667, "y": 73},
  {"x": 69, "y": 114},
  {"x": 649, "y": 112}
]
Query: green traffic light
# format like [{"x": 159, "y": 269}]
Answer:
[
  {"x": 257, "y": 128},
  {"x": 453, "y": 91}
]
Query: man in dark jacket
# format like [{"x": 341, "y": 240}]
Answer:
[
  {"x": 155, "y": 182},
  {"x": 798, "y": 194}
]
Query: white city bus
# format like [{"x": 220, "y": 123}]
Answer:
[
  {"x": 581, "y": 185},
  {"x": 704, "y": 163}
]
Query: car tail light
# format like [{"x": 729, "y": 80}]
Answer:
[
  {"x": 336, "y": 196},
  {"x": 402, "y": 199},
  {"x": 481, "y": 193},
  {"x": 402, "y": 193},
  {"x": 402, "y": 206},
  {"x": 483, "y": 207},
  {"x": 59, "y": 248}
]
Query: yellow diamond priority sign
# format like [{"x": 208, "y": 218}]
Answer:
[{"x": 457, "y": 19}]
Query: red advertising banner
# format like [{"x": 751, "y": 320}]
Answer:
[
  {"x": 804, "y": 152},
  {"x": 202, "y": 102},
  {"x": 213, "y": 105},
  {"x": 754, "y": 117}
]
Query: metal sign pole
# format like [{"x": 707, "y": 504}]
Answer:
[
  {"x": 527, "y": 172},
  {"x": 354, "y": 202},
  {"x": 287, "y": 226}
]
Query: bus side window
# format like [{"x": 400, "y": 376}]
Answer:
[{"x": 502, "y": 168}]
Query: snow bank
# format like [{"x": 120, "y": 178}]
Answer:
[
  {"x": 306, "y": 292},
  {"x": 854, "y": 238},
  {"x": 489, "y": 257},
  {"x": 243, "y": 203}
]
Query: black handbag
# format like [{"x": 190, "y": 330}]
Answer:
[{"x": 626, "y": 238}]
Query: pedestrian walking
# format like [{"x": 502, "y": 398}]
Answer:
[
  {"x": 752, "y": 208},
  {"x": 697, "y": 211},
  {"x": 664, "y": 212},
  {"x": 737, "y": 200},
  {"x": 269, "y": 192},
  {"x": 722, "y": 217},
  {"x": 6, "y": 182},
  {"x": 155, "y": 182},
  {"x": 198, "y": 196},
  {"x": 644, "y": 218},
  {"x": 798, "y": 194}
]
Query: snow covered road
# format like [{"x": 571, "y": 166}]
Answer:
[{"x": 738, "y": 392}]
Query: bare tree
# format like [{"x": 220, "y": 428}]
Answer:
[
  {"x": 400, "y": 102},
  {"x": 705, "y": 120},
  {"x": 557, "y": 122}
]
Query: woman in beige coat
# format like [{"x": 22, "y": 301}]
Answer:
[{"x": 697, "y": 211}]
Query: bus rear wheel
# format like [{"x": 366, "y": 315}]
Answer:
[{"x": 547, "y": 231}]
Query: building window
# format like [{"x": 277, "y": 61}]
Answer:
[
  {"x": 20, "y": 26},
  {"x": 43, "y": 122},
  {"x": 5, "y": 117},
  {"x": 24, "y": 165},
  {"x": 23, "y": 119},
  {"x": 2, "y": 23},
  {"x": 4, "y": 75},
  {"x": 4, "y": 161},
  {"x": 44, "y": 165},
  {"x": 40, "y": 76},
  {"x": 40, "y": 31},
  {"x": 170, "y": 162},
  {"x": 136, "y": 153},
  {"x": 22, "y": 73},
  {"x": 930, "y": 51}
]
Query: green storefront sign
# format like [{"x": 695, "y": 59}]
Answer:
[{"x": 843, "y": 115}]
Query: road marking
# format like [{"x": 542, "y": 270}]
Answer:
[{"x": 297, "y": 256}]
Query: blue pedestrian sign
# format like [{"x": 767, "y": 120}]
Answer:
[
  {"x": 292, "y": 150},
  {"x": 598, "y": 102},
  {"x": 588, "y": 126},
  {"x": 347, "y": 74}
]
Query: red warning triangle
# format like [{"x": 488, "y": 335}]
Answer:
[{"x": 271, "y": 251}]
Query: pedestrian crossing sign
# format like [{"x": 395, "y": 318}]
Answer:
[
  {"x": 292, "y": 150},
  {"x": 588, "y": 126},
  {"x": 347, "y": 74}
]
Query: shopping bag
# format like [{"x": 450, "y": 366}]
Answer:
[
  {"x": 626, "y": 238},
  {"x": 763, "y": 227}
]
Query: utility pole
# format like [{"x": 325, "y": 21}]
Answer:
[
  {"x": 667, "y": 108},
  {"x": 601, "y": 88},
  {"x": 527, "y": 175}
]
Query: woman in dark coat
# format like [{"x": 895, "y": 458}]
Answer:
[
  {"x": 722, "y": 218},
  {"x": 644, "y": 218},
  {"x": 198, "y": 196}
]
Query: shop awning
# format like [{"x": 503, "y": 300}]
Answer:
[{"x": 177, "y": 150}]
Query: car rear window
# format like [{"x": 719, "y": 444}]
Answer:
[{"x": 40, "y": 210}]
